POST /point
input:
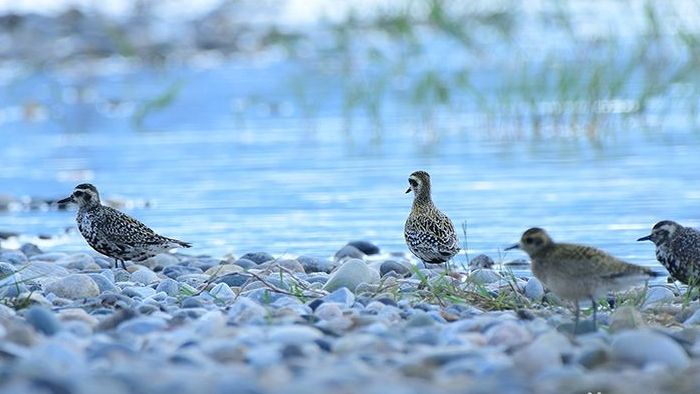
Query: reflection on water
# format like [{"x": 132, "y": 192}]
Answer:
[{"x": 275, "y": 183}]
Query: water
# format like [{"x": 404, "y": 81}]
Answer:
[
  {"x": 242, "y": 160},
  {"x": 272, "y": 183}
]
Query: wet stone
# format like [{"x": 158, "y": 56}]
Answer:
[
  {"x": 257, "y": 257},
  {"x": 348, "y": 251},
  {"x": 365, "y": 247}
]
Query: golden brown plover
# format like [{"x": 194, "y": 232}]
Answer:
[
  {"x": 114, "y": 233},
  {"x": 577, "y": 272},
  {"x": 677, "y": 249},
  {"x": 429, "y": 233}
]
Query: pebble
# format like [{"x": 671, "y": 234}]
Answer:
[
  {"x": 350, "y": 275},
  {"x": 293, "y": 334},
  {"x": 246, "y": 311},
  {"x": 222, "y": 292},
  {"x": 175, "y": 271},
  {"x": 342, "y": 296},
  {"x": 481, "y": 261},
  {"x": 79, "y": 261},
  {"x": 485, "y": 276},
  {"x": 14, "y": 257},
  {"x": 73, "y": 287},
  {"x": 134, "y": 291},
  {"x": 245, "y": 263},
  {"x": 43, "y": 320},
  {"x": 144, "y": 276},
  {"x": 234, "y": 280},
  {"x": 224, "y": 269},
  {"x": 169, "y": 286},
  {"x": 365, "y": 247},
  {"x": 103, "y": 283},
  {"x": 625, "y": 317},
  {"x": 141, "y": 325},
  {"x": 161, "y": 261},
  {"x": 657, "y": 295},
  {"x": 348, "y": 252},
  {"x": 258, "y": 257},
  {"x": 316, "y": 264},
  {"x": 395, "y": 267},
  {"x": 534, "y": 289},
  {"x": 641, "y": 347},
  {"x": 30, "y": 250}
]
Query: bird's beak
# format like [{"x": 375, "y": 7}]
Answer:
[
  {"x": 66, "y": 200},
  {"x": 647, "y": 238},
  {"x": 408, "y": 190},
  {"x": 511, "y": 247}
]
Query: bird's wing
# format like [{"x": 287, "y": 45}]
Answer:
[
  {"x": 580, "y": 261},
  {"x": 687, "y": 246},
  {"x": 121, "y": 229},
  {"x": 433, "y": 234}
]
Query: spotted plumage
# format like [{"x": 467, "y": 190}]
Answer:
[
  {"x": 577, "y": 272},
  {"x": 114, "y": 233},
  {"x": 678, "y": 250},
  {"x": 429, "y": 233}
]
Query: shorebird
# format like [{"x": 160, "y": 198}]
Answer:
[
  {"x": 577, "y": 272},
  {"x": 429, "y": 233},
  {"x": 678, "y": 250},
  {"x": 113, "y": 233}
]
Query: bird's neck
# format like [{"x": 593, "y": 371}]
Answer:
[{"x": 422, "y": 201}]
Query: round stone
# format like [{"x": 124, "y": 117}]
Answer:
[
  {"x": 641, "y": 347},
  {"x": 350, "y": 275},
  {"x": 144, "y": 276},
  {"x": 365, "y": 247},
  {"x": 534, "y": 289},
  {"x": 481, "y": 261},
  {"x": 75, "y": 286},
  {"x": 316, "y": 264},
  {"x": 43, "y": 320},
  {"x": 258, "y": 257},
  {"x": 347, "y": 252},
  {"x": 395, "y": 267},
  {"x": 169, "y": 286}
]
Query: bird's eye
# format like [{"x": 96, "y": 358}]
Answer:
[
  {"x": 78, "y": 193},
  {"x": 529, "y": 240},
  {"x": 413, "y": 182}
]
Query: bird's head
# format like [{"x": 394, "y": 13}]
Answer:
[
  {"x": 84, "y": 195},
  {"x": 662, "y": 232},
  {"x": 532, "y": 241},
  {"x": 419, "y": 183}
]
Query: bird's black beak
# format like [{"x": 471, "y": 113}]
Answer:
[
  {"x": 647, "y": 238},
  {"x": 408, "y": 190},
  {"x": 511, "y": 247},
  {"x": 66, "y": 200}
]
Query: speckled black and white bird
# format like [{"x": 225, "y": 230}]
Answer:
[
  {"x": 429, "y": 233},
  {"x": 113, "y": 233},
  {"x": 678, "y": 250}
]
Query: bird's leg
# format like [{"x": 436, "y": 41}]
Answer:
[
  {"x": 123, "y": 264},
  {"x": 578, "y": 312},
  {"x": 116, "y": 262},
  {"x": 594, "y": 313}
]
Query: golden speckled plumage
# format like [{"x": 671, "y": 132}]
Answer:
[
  {"x": 429, "y": 233},
  {"x": 577, "y": 272}
]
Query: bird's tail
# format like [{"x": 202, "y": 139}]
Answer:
[{"x": 179, "y": 243}]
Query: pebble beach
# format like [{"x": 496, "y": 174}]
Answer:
[{"x": 361, "y": 321}]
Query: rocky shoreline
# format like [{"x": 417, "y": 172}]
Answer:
[{"x": 360, "y": 321}]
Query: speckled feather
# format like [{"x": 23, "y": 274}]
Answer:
[
  {"x": 120, "y": 236},
  {"x": 575, "y": 271},
  {"x": 429, "y": 233},
  {"x": 681, "y": 255},
  {"x": 114, "y": 233}
]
